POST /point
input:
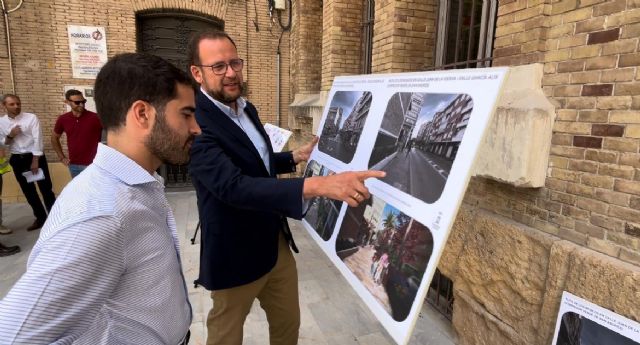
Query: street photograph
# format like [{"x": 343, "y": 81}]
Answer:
[
  {"x": 387, "y": 251},
  {"x": 418, "y": 141},
  {"x": 344, "y": 124},
  {"x": 322, "y": 213},
  {"x": 578, "y": 330}
]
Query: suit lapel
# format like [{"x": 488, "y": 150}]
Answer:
[{"x": 218, "y": 121}]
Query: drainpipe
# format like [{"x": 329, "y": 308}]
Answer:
[
  {"x": 278, "y": 88},
  {"x": 5, "y": 14},
  {"x": 278, "y": 80}
]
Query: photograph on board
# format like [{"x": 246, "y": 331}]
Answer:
[
  {"x": 578, "y": 330},
  {"x": 344, "y": 123},
  {"x": 321, "y": 213},
  {"x": 387, "y": 251},
  {"x": 418, "y": 141}
]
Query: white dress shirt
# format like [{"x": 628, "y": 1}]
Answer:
[
  {"x": 106, "y": 268},
  {"x": 242, "y": 120},
  {"x": 29, "y": 140}
]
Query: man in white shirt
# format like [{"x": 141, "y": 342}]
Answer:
[
  {"x": 21, "y": 132},
  {"x": 106, "y": 268}
]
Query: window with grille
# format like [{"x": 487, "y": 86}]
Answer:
[
  {"x": 465, "y": 33},
  {"x": 440, "y": 294}
]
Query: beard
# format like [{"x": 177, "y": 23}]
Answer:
[
  {"x": 222, "y": 96},
  {"x": 166, "y": 144}
]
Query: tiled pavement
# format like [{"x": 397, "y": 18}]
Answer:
[{"x": 332, "y": 314}]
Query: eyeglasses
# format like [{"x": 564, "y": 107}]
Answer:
[
  {"x": 83, "y": 102},
  {"x": 220, "y": 68}
]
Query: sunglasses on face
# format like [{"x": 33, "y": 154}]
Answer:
[{"x": 83, "y": 102}]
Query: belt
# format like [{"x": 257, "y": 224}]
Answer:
[{"x": 22, "y": 154}]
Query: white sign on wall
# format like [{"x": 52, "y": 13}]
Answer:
[
  {"x": 424, "y": 130},
  {"x": 582, "y": 322},
  {"x": 88, "y": 50}
]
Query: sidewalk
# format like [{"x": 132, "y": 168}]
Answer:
[{"x": 332, "y": 314}]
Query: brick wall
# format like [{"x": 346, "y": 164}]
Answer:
[
  {"x": 591, "y": 57},
  {"x": 41, "y": 50},
  {"x": 306, "y": 47},
  {"x": 341, "y": 39},
  {"x": 404, "y": 35}
]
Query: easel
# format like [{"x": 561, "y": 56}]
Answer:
[
  {"x": 195, "y": 233},
  {"x": 193, "y": 241}
]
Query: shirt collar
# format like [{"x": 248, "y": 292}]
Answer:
[
  {"x": 241, "y": 102},
  {"x": 123, "y": 167},
  {"x": 15, "y": 118}
]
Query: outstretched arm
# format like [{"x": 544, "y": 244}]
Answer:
[{"x": 347, "y": 186}]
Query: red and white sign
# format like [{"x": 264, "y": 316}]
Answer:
[{"x": 88, "y": 50}]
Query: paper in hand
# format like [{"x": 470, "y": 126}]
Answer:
[
  {"x": 278, "y": 136},
  {"x": 33, "y": 177}
]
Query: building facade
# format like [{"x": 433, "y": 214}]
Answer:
[
  {"x": 514, "y": 248},
  {"x": 41, "y": 59}
]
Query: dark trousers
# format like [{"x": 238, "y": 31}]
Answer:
[{"x": 21, "y": 163}]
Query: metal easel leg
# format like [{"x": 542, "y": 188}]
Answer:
[{"x": 195, "y": 233}]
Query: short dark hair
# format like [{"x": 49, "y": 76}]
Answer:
[
  {"x": 9, "y": 95},
  {"x": 72, "y": 92},
  {"x": 131, "y": 77},
  {"x": 192, "y": 49}
]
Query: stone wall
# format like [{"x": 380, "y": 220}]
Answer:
[{"x": 509, "y": 279}]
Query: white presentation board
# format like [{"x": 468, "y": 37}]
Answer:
[
  {"x": 582, "y": 322},
  {"x": 424, "y": 130}
]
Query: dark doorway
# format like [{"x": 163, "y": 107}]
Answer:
[{"x": 166, "y": 34}]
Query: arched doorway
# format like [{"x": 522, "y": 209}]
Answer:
[{"x": 166, "y": 34}]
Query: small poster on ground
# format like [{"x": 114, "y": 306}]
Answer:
[
  {"x": 581, "y": 322},
  {"x": 88, "y": 50},
  {"x": 423, "y": 129}
]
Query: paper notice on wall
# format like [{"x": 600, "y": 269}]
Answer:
[
  {"x": 582, "y": 322},
  {"x": 88, "y": 50},
  {"x": 278, "y": 136},
  {"x": 424, "y": 130}
]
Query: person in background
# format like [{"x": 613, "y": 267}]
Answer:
[
  {"x": 4, "y": 168},
  {"x": 83, "y": 130},
  {"x": 106, "y": 268},
  {"x": 21, "y": 132}
]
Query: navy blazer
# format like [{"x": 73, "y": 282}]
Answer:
[{"x": 242, "y": 205}]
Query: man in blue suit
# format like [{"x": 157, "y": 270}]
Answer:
[{"x": 243, "y": 205}]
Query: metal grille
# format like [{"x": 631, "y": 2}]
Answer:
[
  {"x": 440, "y": 294},
  {"x": 166, "y": 34},
  {"x": 465, "y": 34}
]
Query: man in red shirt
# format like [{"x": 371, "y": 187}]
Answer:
[{"x": 84, "y": 131}]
